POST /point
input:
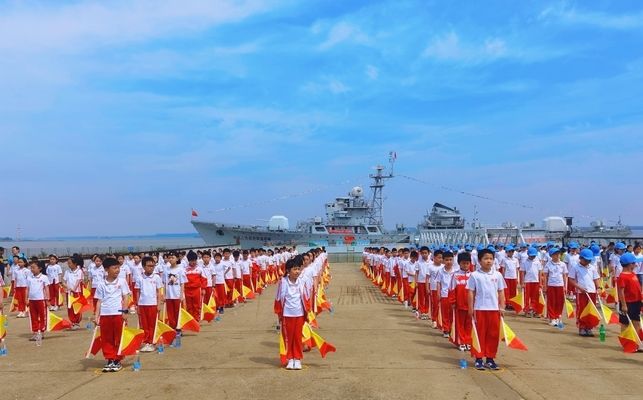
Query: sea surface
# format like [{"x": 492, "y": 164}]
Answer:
[{"x": 90, "y": 245}]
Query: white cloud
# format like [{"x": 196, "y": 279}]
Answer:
[
  {"x": 342, "y": 32},
  {"x": 74, "y": 27},
  {"x": 570, "y": 15},
  {"x": 327, "y": 84},
  {"x": 449, "y": 47},
  {"x": 372, "y": 72}
]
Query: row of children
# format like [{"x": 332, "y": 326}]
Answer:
[
  {"x": 159, "y": 287},
  {"x": 298, "y": 300}
]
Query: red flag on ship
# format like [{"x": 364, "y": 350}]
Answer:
[{"x": 194, "y": 213}]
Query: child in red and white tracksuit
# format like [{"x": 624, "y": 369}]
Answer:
[
  {"x": 486, "y": 305},
  {"x": 149, "y": 296},
  {"x": 73, "y": 285},
  {"x": 555, "y": 272},
  {"x": 38, "y": 295},
  {"x": 54, "y": 272},
  {"x": 174, "y": 279},
  {"x": 291, "y": 309},
  {"x": 20, "y": 276},
  {"x": 444, "y": 278},
  {"x": 459, "y": 299},
  {"x": 111, "y": 302},
  {"x": 195, "y": 286}
]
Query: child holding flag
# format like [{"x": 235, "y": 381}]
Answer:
[
  {"x": 21, "y": 275},
  {"x": 530, "y": 277},
  {"x": 555, "y": 272},
  {"x": 54, "y": 273},
  {"x": 38, "y": 295},
  {"x": 444, "y": 278},
  {"x": 111, "y": 303},
  {"x": 458, "y": 297},
  {"x": 584, "y": 279},
  {"x": 149, "y": 289},
  {"x": 72, "y": 283},
  {"x": 629, "y": 293},
  {"x": 195, "y": 285},
  {"x": 486, "y": 304},
  {"x": 290, "y": 307},
  {"x": 174, "y": 279}
]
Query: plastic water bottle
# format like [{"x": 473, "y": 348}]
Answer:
[
  {"x": 89, "y": 325},
  {"x": 38, "y": 339},
  {"x": 3, "y": 348},
  {"x": 160, "y": 348},
  {"x": 217, "y": 318},
  {"x": 6, "y": 322},
  {"x": 332, "y": 310},
  {"x": 177, "y": 340},
  {"x": 136, "y": 367},
  {"x": 601, "y": 333},
  {"x": 560, "y": 324},
  {"x": 463, "y": 363}
]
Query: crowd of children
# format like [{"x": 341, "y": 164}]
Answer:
[
  {"x": 486, "y": 281},
  {"x": 157, "y": 286}
]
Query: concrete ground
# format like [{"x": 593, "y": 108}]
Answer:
[{"x": 383, "y": 352}]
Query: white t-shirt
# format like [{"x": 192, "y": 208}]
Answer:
[
  {"x": 21, "y": 276},
  {"x": 292, "y": 296},
  {"x": 615, "y": 262},
  {"x": 401, "y": 265},
  {"x": 555, "y": 272},
  {"x": 124, "y": 271},
  {"x": 511, "y": 266},
  {"x": 228, "y": 268},
  {"x": 532, "y": 269},
  {"x": 73, "y": 279},
  {"x": 173, "y": 284},
  {"x": 208, "y": 271},
  {"x": 111, "y": 295},
  {"x": 136, "y": 270},
  {"x": 245, "y": 267},
  {"x": 236, "y": 266},
  {"x": 433, "y": 275},
  {"x": 53, "y": 273},
  {"x": 486, "y": 286},
  {"x": 423, "y": 270},
  {"x": 37, "y": 286},
  {"x": 584, "y": 277},
  {"x": 97, "y": 275},
  {"x": 219, "y": 273},
  {"x": 148, "y": 286},
  {"x": 444, "y": 278},
  {"x": 411, "y": 268}
]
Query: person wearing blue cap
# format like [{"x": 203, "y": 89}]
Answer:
[
  {"x": 584, "y": 278},
  {"x": 530, "y": 277},
  {"x": 555, "y": 272},
  {"x": 510, "y": 267},
  {"x": 615, "y": 267},
  {"x": 571, "y": 260},
  {"x": 629, "y": 294}
]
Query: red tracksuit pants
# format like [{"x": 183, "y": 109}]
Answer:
[
  {"x": 435, "y": 304},
  {"x": 510, "y": 290},
  {"x": 447, "y": 314},
  {"x": 463, "y": 327},
  {"x": 38, "y": 315},
  {"x": 20, "y": 295},
  {"x": 53, "y": 294},
  {"x": 172, "y": 307},
  {"x": 488, "y": 328},
  {"x": 111, "y": 327},
  {"x": 423, "y": 298},
  {"x": 238, "y": 285},
  {"x": 193, "y": 302},
  {"x": 532, "y": 292},
  {"x": 230, "y": 284},
  {"x": 555, "y": 301},
  {"x": 219, "y": 294},
  {"x": 147, "y": 321},
  {"x": 291, "y": 332},
  {"x": 208, "y": 293}
]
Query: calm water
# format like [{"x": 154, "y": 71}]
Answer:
[{"x": 102, "y": 245}]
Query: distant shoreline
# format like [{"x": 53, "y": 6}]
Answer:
[{"x": 65, "y": 238}]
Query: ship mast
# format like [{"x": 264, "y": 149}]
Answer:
[{"x": 377, "y": 202}]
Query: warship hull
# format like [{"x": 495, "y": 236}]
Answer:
[{"x": 220, "y": 234}]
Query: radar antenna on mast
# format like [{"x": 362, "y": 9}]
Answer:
[{"x": 377, "y": 201}]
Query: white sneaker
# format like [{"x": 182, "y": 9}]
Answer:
[
  {"x": 434, "y": 325},
  {"x": 553, "y": 322},
  {"x": 55, "y": 308},
  {"x": 291, "y": 364},
  {"x": 296, "y": 364}
]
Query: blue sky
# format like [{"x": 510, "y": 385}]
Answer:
[{"x": 118, "y": 117}]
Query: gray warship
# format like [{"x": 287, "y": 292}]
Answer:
[{"x": 352, "y": 223}]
